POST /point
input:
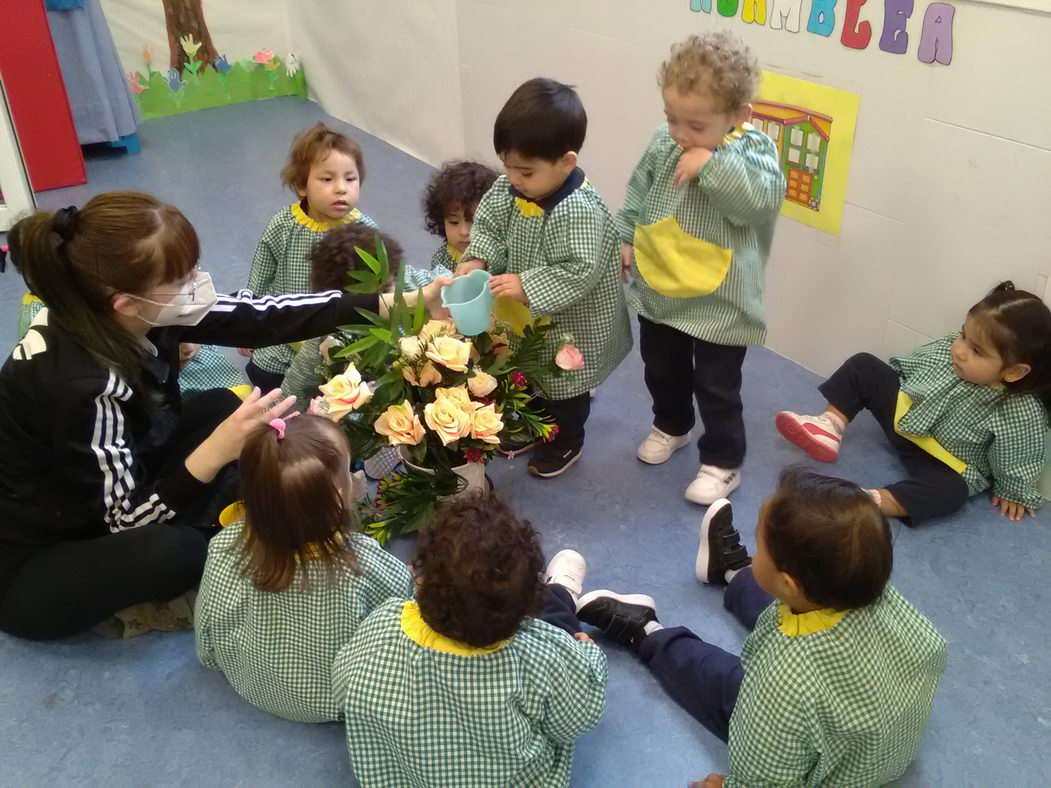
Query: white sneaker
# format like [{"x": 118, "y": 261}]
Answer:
[
  {"x": 568, "y": 568},
  {"x": 659, "y": 446},
  {"x": 819, "y": 436},
  {"x": 713, "y": 483}
]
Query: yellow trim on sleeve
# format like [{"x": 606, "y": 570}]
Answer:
[
  {"x": 417, "y": 630},
  {"x": 322, "y": 227},
  {"x": 29, "y": 298},
  {"x": 928, "y": 444},
  {"x": 798, "y": 624}
]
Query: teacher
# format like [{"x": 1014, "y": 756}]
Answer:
[{"x": 105, "y": 475}]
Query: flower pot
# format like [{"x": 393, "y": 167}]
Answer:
[
  {"x": 471, "y": 472},
  {"x": 470, "y": 301}
]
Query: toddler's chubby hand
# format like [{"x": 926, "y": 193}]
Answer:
[
  {"x": 509, "y": 285},
  {"x": 1011, "y": 510},
  {"x": 187, "y": 351},
  {"x": 690, "y": 164},
  {"x": 469, "y": 265}
]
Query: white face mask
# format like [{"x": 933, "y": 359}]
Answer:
[{"x": 187, "y": 307}]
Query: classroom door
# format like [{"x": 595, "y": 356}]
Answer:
[
  {"x": 16, "y": 196},
  {"x": 799, "y": 185}
]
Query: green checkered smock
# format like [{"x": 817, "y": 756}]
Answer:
[
  {"x": 728, "y": 213},
  {"x": 846, "y": 705},
  {"x": 444, "y": 260},
  {"x": 276, "y": 649},
  {"x": 999, "y": 435},
  {"x": 419, "y": 714},
  {"x": 565, "y": 249},
  {"x": 282, "y": 265}
]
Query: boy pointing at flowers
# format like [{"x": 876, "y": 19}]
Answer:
[{"x": 551, "y": 244}]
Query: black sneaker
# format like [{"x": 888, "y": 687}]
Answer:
[
  {"x": 720, "y": 548},
  {"x": 621, "y": 616},
  {"x": 512, "y": 450},
  {"x": 551, "y": 460}
]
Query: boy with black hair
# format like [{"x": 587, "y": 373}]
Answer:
[
  {"x": 835, "y": 682},
  {"x": 483, "y": 679},
  {"x": 551, "y": 244}
]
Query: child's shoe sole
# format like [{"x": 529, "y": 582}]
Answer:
[{"x": 796, "y": 434}]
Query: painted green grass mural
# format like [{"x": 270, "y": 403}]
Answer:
[{"x": 204, "y": 85}]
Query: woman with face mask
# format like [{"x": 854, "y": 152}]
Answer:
[{"x": 108, "y": 484}]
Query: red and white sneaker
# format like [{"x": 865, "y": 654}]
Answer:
[{"x": 818, "y": 436}]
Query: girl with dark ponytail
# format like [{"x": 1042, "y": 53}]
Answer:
[
  {"x": 966, "y": 413},
  {"x": 107, "y": 481}
]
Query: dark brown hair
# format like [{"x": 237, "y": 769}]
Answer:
[
  {"x": 74, "y": 261},
  {"x": 295, "y": 510},
  {"x": 478, "y": 568},
  {"x": 310, "y": 147},
  {"x": 830, "y": 537},
  {"x": 543, "y": 119},
  {"x": 335, "y": 254},
  {"x": 1018, "y": 324},
  {"x": 458, "y": 185}
]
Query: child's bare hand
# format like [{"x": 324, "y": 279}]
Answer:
[
  {"x": 583, "y": 637},
  {"x": 509, "y": 285},
  {"x": 244, "y": 351},
  {"x": 627, "y": 257},
  {"x": 469, "y": 265},
  {"x": 711, "y": 781},
  {"x": 187, "y": 351},
  {"x": 432, "y": 296},
  {"x": 1011, "y": 510},
  {"x": 690, "y": 164}
]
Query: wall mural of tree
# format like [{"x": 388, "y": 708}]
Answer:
[{"x": 186, "y": 18}]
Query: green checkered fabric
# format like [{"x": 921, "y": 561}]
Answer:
[
  {"x": 209, "y": 369},
  {"x": 276, "y": 649},
  {"x": 417, "y": 716},
  {"x": 842, "y": 706},
  {"x": 734, "y": 204},
  {"x": 282, "y": 265},
  {"x": 29, "y": 308},
  {"x": 305, "y": 372},
  {"x": 999, "y": 435},
  {"x": 568, "y": 260},
  {"x": 442, "y": 262}
]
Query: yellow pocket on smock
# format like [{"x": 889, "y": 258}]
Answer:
[
  {"x": 514, "y": 313},
  {"x": 676, "y": 264}
]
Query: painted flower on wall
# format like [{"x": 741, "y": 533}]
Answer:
[
  {"x": 263, "y": 56},
  {"x": 189, "y": 46},
  {"x": 133, "y": 82},
  {"x": 292, "y": 64},
  {"x": 222, "y": 64},
  {"x": 174, "y": 83}
]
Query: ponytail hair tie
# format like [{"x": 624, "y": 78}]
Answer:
[
  {"x": 65, "y": 222},
  {"x": 279, "y": 427}
]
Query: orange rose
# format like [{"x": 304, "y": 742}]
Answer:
[
  {"x": 448, "y": 420},
  {"x": 486, "y": 424},
  {"x": 345, "y": 393},
  {"x": 400, "y": 425}
]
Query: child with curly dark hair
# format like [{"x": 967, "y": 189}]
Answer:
[
  {"x": 835, "y": 682},
  {"x": 449, "y": 204},
  {"x": 484, "y": 679}
]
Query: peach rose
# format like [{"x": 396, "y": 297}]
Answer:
[
  {"x": 327, "y": 344},
  {"x": 451, "y": 353},
  {"x": 400, "y": 424},
  {"x": 486, "y": 424},
  {"x": 457, "y": 394},
  {"x": 345, "y": 393},
  {"x": 481, "y": 384},
  {"x": 448, "y": 420},
  {"x": 569, "y": 358},
  {"x": 428, "y": 375},
  {"x": 436, "y": 328},
  {"x": 410, "y": 347}
]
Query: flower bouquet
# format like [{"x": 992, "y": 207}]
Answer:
[{"x": 445, "y": 401}]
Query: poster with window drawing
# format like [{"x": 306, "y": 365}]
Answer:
[{"x": 813, "y": 128}]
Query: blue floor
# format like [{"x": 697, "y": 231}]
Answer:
[{"x": 143, "y": 712}]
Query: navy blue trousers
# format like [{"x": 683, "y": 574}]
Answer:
[
  {"x": 702, "y": 678},
  {"x": 560, "y": 610}
]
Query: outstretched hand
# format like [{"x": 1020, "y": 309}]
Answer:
[{"x": 1011, "y": 510}]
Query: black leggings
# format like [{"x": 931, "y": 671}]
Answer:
[
  {"x": 66, "y": 588},
  {"x": 932, "y": 488}
]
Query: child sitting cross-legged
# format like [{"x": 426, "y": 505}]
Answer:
[
  {"x": 835, "y": 682},
  {"x": 484, "y": 679},
  {"x": 286, "y": 587}
]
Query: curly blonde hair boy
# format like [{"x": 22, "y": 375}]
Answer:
[{"x": 716, "y": 63}]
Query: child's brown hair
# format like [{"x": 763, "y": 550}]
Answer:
[
  {"x": 295, "y": 510},
  {"x": 336, "y": 253},
  {"x": 717, "y": 64},
  {"x": 458, "y": 185},
  {"x": 830, "y": 537},
  {"x": 310, "y": 147},
  {"x": 478, "y": 568}
]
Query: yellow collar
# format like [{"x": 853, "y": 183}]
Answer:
[
  {"x": 322, "y": 227},
  {"x": 417, "y": 630},
  {"x": 29, "y": 298},
  {"x": 736, "y": 133},
  {"x": 454, "y": 253},
  {"x": 798, "y": 624}
]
